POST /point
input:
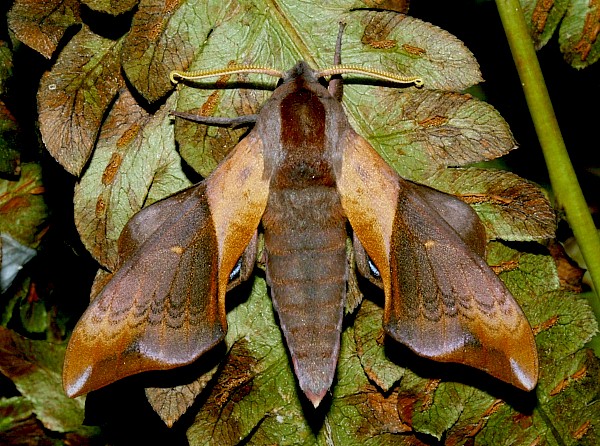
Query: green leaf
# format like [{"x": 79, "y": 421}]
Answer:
[
  {"x": 135, "y": 163},
  {"x": 10, "y": 157},
  {"x": 369, "y": 337},
  {"x": 526, "y": 274},
  {"x": 22, "y": 206},
  {"x": 35, "y": 369},
  {"x": 510, "y": 207},
  {"x": 12, "y": 411},
  {"x": 34, "y": 316},
  {"x": 6, "y": 65}
]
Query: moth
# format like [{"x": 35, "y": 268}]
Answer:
[{"x": 303, "y": 176}]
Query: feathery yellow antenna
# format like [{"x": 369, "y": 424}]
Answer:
[
  {"x": 233, "y": 69},
  {"x": 372, "y": 72}
]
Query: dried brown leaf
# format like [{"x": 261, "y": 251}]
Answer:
[
  {"x": 74, "y": 96},
  {"x": 113, "y": 7},
  {"x": 170, "y": 403},
  {"x": 41, "y": 24},
  {"x": 569, "y": 273}
]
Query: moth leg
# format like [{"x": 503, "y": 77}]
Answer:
[
  {"x": 354, "y": 296},
  {"x": 239, "y": 121}
]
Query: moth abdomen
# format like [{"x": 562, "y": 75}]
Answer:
[{"x": 307, "y": 272}]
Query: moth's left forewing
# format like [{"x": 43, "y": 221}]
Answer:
[{"x": 441, "y": 298}]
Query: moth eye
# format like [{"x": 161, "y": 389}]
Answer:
[
  {"x": 373, "y": 269},
  {"x": 235, "y": 272}
]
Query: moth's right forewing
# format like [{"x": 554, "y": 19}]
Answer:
[
  {"x": 448, "y": 305},
  {"x": 159, "y": 309}
]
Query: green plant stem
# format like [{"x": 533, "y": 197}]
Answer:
[{"x": 562, "y": 175}]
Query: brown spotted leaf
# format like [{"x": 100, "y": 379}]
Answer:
[
  {"x": 412, "y": 47},
  {"x": 510, "y": 207},
  {"x": 41, "y": 24},
  {"x": 569, "y": 402},
  {"x": 74, "y": 95},
  {"x": 134, "y": 164},
  {"x": 455, "y": 411},
  {"x": 164, "y": 36},
  {"x": 543, "y": 17},
  {"x": 579, "y": 35},
  {"x": 577, "y": 24},
  {"x": 425, "y": 131}
]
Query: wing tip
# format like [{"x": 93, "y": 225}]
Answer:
[
  {"x": 76, "y": 384},
  {"x": 524, "y": 379}
]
